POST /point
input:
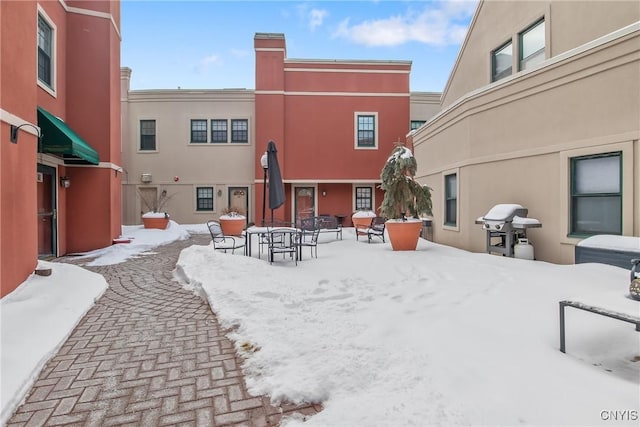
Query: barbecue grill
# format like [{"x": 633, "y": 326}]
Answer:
[{"x": 504, "y": 225}]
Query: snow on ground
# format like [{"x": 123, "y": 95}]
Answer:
[{"x": 436, "y": 336}]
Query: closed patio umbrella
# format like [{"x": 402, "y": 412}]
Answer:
[{"x": 276, "y": 186}]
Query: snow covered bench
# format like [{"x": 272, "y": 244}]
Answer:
[{"x": 611, "y": 304}]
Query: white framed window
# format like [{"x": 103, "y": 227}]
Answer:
[
  {"x": 204, "y": 199},
  {"x": 366, "y": 130},
  {"x": 46, "y": 53},
  {"x": 364, "y": 198},
  {"x": 198, "y": 131},
  {"x": 239, "y": 130},
  {"x": 147, "y": 135}
]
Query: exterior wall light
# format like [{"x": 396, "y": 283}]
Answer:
[
  {"x": 14, "y": 132},
  {"x": 65, "y": 182}
]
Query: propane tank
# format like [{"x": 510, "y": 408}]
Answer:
[{"x": 523, "y": 249}]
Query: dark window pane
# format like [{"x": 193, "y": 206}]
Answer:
[
  {"x": 240, "y": 130},
  {"x": 501, "y": 62},
  {"x": 147, "y": 135},
  {"x": 366, "y": 131},
  {"x": 596, "y": 194},
  {"x": 451, "y": 199},
  {"x": 204, "y": 198},
  {"x": 218, "y": 131},
  {"x": 597, "y": 215},
  {"x": 364, "y": 198},
  {"x": 198, "y": 131},
  {"x": 45, "y": 39}
]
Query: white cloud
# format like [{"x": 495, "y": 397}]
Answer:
[
  {"x": 439, "y": 23},
  {"x": 316, "y": 18},
  {"x": 311, "y": 17}
]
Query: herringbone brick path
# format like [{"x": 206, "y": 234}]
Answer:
[{"x": 149, "y": 353}]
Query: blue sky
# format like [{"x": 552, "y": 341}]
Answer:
[{"x": 209, "y": 44}]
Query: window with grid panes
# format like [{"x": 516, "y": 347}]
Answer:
[
  {"x": 366, "y": 131},
  {"x": 204, "y": 198},
  {"x": 239, "y": 130},
  {"x": 596, "y": 194},
  {"x": 415, "y": 124},
  {"x": 45, "y": 52},
  {"x": 147, "y": 135},
  {"x": 364, "y": 198},
  {"x": 218, "y": 130},
  {"x": 198, "y": 131}
]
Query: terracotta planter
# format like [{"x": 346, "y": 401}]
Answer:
[
  {"x": 362, "y": 221},
  {"x": 232, "y": 226},
  {"x": 403, "y": 234},
  {"x": 160, "y": 223}
]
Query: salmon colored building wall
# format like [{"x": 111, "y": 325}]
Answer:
[
  {"x": 309, "y": 108},
  {"x": 85, "y": 95}
]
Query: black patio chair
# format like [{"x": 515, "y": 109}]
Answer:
[{"x": 222, "y": 242}]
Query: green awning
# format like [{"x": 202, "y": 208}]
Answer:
[{"x": 59, "y": 139}]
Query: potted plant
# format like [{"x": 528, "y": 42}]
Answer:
[
  {"x": 403, "y": 197},
  {"x": 233, "y": 221},
  {"x": 155, "y": 217}
]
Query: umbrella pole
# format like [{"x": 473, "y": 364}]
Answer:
[{"x": 264, "y": 196}]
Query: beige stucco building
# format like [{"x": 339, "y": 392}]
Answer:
[
  {"x": 168, "y": 146},
  {"x": 542, "y": 109},
  {"x": 164, "y": 150}
]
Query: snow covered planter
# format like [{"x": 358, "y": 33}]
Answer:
[
  {"x": 403, "y": 196},
  {"x": 362, "y": 219},
  {"x": 158, "y": 220},
  {"x": 232, "y": 222}
]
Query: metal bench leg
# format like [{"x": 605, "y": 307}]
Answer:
[{"x": 562, "y": 347}]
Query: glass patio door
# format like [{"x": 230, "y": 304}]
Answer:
[{"x": 305, "y": 203}]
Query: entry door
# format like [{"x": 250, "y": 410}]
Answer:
[
  {"x": 239, "y": 198},
  {"x": 46, "y": 187},
  {"x": 305, "y": 203}
]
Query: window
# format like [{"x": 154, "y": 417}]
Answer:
[
  {"x": 204, "y": 198},
  {"x": 218, "y": 131},
  {"x": 198, "y": 131},
  {"x": 366, "y": 131},
  {"x": 415, "y": 124},
  {"x": 451, "y": 199},
  {"x": 532, "y": 43},
  {"x": 147, "y": 135},
  {"x": 45, "y": 52},
  {"x": 364, "y": 198},
  {"x": 596, "y": 194},
  {"x": 501, "y": 62},
  {"x": 240, "y": 130}
]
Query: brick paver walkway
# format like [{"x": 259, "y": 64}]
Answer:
[{"x": 149, "y": 353}]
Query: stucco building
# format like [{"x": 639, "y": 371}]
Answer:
[
  {"x": 61, "y": 193},
  {"x": 333, "y": 121},
  {"x": 542, "y": 108}
]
